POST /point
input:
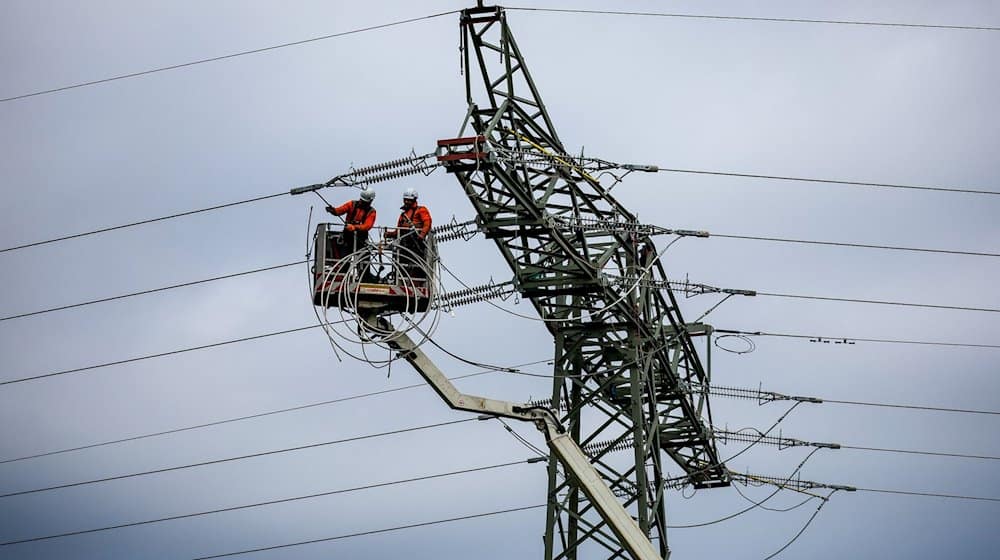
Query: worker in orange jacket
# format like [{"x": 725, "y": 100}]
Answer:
[
  {"x": 413, "y": 225},
  {"x": 414, "y": 218},
  {"x": 359, "y": 220}
]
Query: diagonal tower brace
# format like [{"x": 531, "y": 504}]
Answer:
[{"x": 564, "y": 449}]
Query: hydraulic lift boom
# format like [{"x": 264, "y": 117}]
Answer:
[{"x": 573, "y": 459}]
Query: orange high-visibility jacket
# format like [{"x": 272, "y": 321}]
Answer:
[
  {"x": 362, "y": 219},
  {"x": 418, "y": 218}
]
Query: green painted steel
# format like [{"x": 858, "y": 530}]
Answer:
[{"x": 625, "y": 361}]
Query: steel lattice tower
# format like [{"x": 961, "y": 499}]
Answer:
[{"x": 624, "y": 358}]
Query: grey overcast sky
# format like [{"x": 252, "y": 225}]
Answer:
[{"x": 863, "y": 103}]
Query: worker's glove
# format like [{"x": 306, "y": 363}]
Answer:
[
  {"x": 330, "y": 210},
  {"x": 350, "y": 227},
  {"x": 390, "y": 233}
]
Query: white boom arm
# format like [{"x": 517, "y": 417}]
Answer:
[{"x": 562, "y": 446}]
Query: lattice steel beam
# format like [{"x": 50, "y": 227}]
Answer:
[{"x": 625, "y": 352}]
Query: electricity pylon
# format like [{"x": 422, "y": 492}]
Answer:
[{"x": 626, "y": 371}]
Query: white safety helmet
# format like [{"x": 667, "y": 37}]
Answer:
[
  {"x": 410, "y": 193},
  {"x": 368, "y": 195}
]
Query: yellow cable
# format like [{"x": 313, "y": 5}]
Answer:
[{"x": 557, "y": 158}]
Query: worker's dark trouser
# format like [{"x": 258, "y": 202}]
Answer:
[
  {"x": 341, "y": 245},
  {"x": 348, "y": 242},
  {"x": 414, "y": 255}
]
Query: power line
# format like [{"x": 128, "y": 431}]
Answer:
[
  {"x": 729, "y": 236},
  {"x": 756, "y": 394},
  {"x": 159, "y": 355},
  {"x": 397, "y": 528},
  {"x": 770, "y": 19},
  {"x": 777, "y": 239},
  {"x": 929, "y": 494},
  {"x": 143, "y": 222},
  {"x": 268, "y": 503},
  {"x": 227, "y": 56},
  {"x": 814, "y": 485},
  {"x": 881, "y": 302},
  {"x": 762, "y": 397},
  {"x": 915, "y": 407},
  {"x": 231, "y": 459},
  {"x": 930, "y": 453},
  {"x": 799, "y": 484},
  {"x": 753, "y": 505},
  {"x": 809, "y": 521},
  {"x": 832, "y": 181},
  {"x": 219, "y": 422},
  {"x": 252, "y": 416},
  {"x": 857, "y": 245},
  {"x": 431, "y": 16},
  {"x": 698, "y": 288},
  {"x": 719, "y": 390},
  {"x": 849, "y": 339},
  {"x": 151, "y": 291},
  {"x": 782, "y": 442},
  {"x": 372, "y": 532}
]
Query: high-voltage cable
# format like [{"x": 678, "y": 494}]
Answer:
[
  {"x": 269, "y": 502},
  {"x": 851, "y": 340},
  {"x": 763, "y": 397},
  {"x": 799, "y": 484},
  {"x": 610, "y": 226},
  {"x": 231, "y": 459},
  {"x": 754, "y": 437},
  {"x": 372, "y": 532},
  {"x": 227, "y": 56},
  {"x": 144, "y": 222},
  {"x": 794, "y": 483},
  {"x": 858, "y": 245},
  {"x": 929, "y": 494},
  {"x": 252, "y": 416},
  {"x": 693, "y": 288},
  {"x": 372, "y": 174},
  {"x": 448, "y": 232},
  {"x": 832, "y": 181},
  {"x": 592, "y": 448},
  {"x": 157, "y": 355},
  {"x": 782, "y": 442},
  {"x": 928, "y": 453},
  {"x": 824, "y": 500},
  {"x": 468, "y": 229},
  {"x": 589, "y": 165},
  {"x": 806, "y": 485},
  {"x": 686, "y": 287},
  {"x": 760, "y": 19},
  {"x": 696, "y": 288},
  {"x": 682, "y": 481},
  {"x": 881, "y": 302},
  {"x": 150, "y": 291},
  {"x": 431, "y": 16},
  {"x": 914, "y": 407}
]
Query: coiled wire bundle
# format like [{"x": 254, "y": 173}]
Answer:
[{"x": 348, "y": 330}]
